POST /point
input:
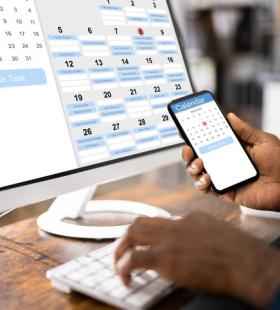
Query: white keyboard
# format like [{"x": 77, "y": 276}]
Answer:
[{"x": 94, "y": 275}]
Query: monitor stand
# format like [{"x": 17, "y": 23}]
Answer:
[{"x": 65, "y": 210}]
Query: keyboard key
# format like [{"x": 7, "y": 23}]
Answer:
[
  {"x": 76, "y": 276},
  {"x": 134, "y": 285},
  {"x": 67, "y": 268},
  {"x": 108, "y": 260},
  {"x": 145, "y": 277},
  {"x": 85, "y": 260},
  {"x": 97, "y": 255},
  {"x": 121, "y": 292},
  {"x": 98, "y": 276},
  {"x": 111, "y": 269},
  {"x": 95, "y": 267},
  {"x": 90, "y": 281},
  {"x": 114, "y": 282},
  {"x": 139, "y": 280},
  {"x": 102, "y": 286},
  {"x": 158, "y": 285},
  {"x": 105, "y": 273},
  {"x": 139, "y": 298},
  {"x": 108, "y": 285},
  {"x": 84, "y": 271}
]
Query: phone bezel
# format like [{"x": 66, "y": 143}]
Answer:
[{"x": 184, "y": 135}]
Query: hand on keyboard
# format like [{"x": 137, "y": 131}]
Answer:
[
  {"x": 203, "y": 255},
  {"x": 128, "y": 256},
  {"x": 94, "y": 275}
]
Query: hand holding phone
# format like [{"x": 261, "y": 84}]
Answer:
[{"x": 205, "y": 128}]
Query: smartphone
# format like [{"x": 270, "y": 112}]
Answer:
[{"x": 206, "y": 130}]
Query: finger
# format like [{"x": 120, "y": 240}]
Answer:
[
  {"x": 245, "y": 131},
  {"x": 196, "y": 167},
  {"x": 203, "y": 183},
  {"x": 133, "y": 259},
  {"x": 145, "y": 231},
  {"x": 187, "y": 154}
]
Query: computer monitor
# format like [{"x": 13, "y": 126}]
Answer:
[{"x": 84, "y": 87}]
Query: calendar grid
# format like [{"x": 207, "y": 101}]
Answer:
[{"x": 117, "y": 66}]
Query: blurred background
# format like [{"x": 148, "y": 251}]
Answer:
[{"x": 233, "y": 47}]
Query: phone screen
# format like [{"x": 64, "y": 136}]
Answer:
[{"x": 205, "y": 128}]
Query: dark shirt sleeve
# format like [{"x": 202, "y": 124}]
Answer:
[{"x": 276, "y": 302}]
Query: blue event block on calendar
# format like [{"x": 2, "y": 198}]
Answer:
[
  {"x": 125, "y": 50},
  {"x": 93, "y": 42},
  {"x": 119, "y": 134},
  {"x": 90, "y": 143},
  {"x": 167, "y": 47},
  {"x": 123, "y": 151},
  {"x": 176, "y": 77},
  {"x": 169, "y": 132},
  {"x": 61, "y": 37},
  {"x": 113, "y": 8},
  {"x": 153, "y": 74},
  {"x": 160, "y": 101},
  {"x": 158, "y": 18},
  {"x": 111, "y": 110},
  {"x": 71, "y": 71},
  {"x": 151, "y": 134},
  {"x": 66, "y": 54},
  {"x": 145, "y": 43},
  {"x": 137, "y": 19},
  {"x": 102, "y": 76},
  {"x": 79, "y": 109},
  {"x": 128, "y": 74},
  {"x": 85, "y": 123}
]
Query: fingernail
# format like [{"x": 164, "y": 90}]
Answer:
[
  {"x": 201, "y": 181},
  {"x": 193, "y": 166},
  {"x": 232, "y": 115}
]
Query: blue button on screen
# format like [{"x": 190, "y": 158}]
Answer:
[
  {"x": 216, "y": 145},
  {"x": 24, "y": 77}
]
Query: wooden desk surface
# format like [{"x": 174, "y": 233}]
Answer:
[{"x": 26, "y": 253}]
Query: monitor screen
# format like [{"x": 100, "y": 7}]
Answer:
[{"x": 85, "y": 83}]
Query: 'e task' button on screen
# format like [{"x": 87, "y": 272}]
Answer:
[{"x": 24, "y": 77}]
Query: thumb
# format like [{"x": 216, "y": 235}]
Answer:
[{"x": 246, "y": 132}]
